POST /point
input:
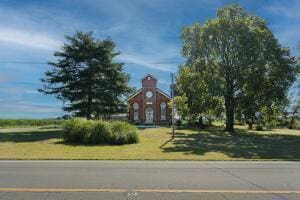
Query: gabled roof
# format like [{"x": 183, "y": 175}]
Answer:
[{"x": 140, "y": 90}]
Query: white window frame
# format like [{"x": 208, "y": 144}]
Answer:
[
  {"x": 163, "y": 111},
  {"x": 135, "y": 111}
]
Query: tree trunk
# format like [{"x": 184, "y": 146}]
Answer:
[
  {"x": 89, "y": 105},
  {"x": 229, "y": 107},
  {"x": 200, "y": 121},
  {"x": 292, "y": 122},
  {"x": 250, "y": 124}
]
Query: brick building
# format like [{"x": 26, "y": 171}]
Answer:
[{"x": 149, "y": 105}]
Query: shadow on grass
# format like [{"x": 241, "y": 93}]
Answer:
[
  {"x": 165, "y": 143},
  {"x": 243, "y": 144},
  {"x": 49, "y": 127},
  {"x": 34, "y": 136},
  {"x": 38, "y": 136},
  {"x": 74, "y": 144}
]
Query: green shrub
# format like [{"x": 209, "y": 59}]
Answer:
[
  {"x": 75, "y": 130},
  {"x": 259, "y": 128},
  {"x": 123, "y": 133},
  {"x": 99, "y": 132}
]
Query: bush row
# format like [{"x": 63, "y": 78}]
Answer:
[
  {"x": 29, "y": 122},
  {"x": 99, "y": 132}
]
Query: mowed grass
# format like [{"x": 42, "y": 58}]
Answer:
[{"x": 155, "y": 144}]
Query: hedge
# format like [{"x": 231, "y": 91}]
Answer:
[
  {"x": 29, "y": 122},
  {"x": 99, "y": 132}
]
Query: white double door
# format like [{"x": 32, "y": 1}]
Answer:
[{"x": 149, "y": 115}]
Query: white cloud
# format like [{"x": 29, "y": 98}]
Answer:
[
  {"x": 12, "y": 90},
  {"x": 291, "y": 11},
  {"x": 144, "y": 61},
  {"x": 32, "y": 92},
  {"x": 4, "y": 78},
  {"x": 139, "y": 40},
  {"x": 142, "y": 39},
  {"x": 164, "y": 82},
  {"x": 286, "y": 30},
  {"x": 29, "y": 108},
  {"x": 289, "y": 36},
  {"x": 28, "y": 38}
]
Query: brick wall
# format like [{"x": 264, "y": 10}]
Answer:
[
  {"x": 140, "y": 99},
  {"x": 149, "y": 84}
]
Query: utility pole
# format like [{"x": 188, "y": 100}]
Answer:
[{"x": 172, "y": 95}]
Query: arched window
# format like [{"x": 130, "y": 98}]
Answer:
[
  {"x": 135, "y": 111},
  {"x": 163, "y": 110}
]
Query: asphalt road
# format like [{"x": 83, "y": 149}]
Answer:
[{"x": 149, "y": 180}]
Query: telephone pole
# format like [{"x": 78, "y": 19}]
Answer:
[{"x": 172, "y": 95}]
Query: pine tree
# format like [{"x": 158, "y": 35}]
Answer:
[{"x": 86, "y": 78}]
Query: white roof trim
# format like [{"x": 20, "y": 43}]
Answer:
[
  {"x": 163, "y": 93},
  {"x": 133, "y": 95},
  {"x": 140, "y": 90}
]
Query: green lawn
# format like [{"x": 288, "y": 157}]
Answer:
[{"x": 210, "y": 144}]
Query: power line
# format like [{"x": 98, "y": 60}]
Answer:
[
  {"x": 156, "y": 63},
  {"x": 24, "y": 62},
  {"x": 46, "y": 63}
]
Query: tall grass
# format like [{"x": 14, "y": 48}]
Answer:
[
  {"x": 99, "y": 132},
  {"x": 29, "y": 122}
]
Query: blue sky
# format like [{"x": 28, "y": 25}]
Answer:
[{"x": 146, "y": 33}]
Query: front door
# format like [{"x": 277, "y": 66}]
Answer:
[{"x": 149, "y": 115}]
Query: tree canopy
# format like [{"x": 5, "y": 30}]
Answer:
[
  {"x": 86, "y": 77},
  {"x": 237, "y": 57},
  {"x": 199, "y": 97}
]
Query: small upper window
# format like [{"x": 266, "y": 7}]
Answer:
[{"x": 149, "y": 77}]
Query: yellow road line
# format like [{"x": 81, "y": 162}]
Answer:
[{"x": 148, "y": 190}]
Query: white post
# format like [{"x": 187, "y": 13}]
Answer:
[{"x": 172, "y": 95}]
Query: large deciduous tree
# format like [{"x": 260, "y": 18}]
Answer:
[
  {"x": 200, "y": 99},
  {"x": 86, "y": 77},
  {"x": 238, "y": 56}
]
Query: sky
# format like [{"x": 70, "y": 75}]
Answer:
[{"x": 145, "y": 32}]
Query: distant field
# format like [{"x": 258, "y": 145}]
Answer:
[
  {"x": 155, "y": 144},
  {"x": 28, "y": 122}
]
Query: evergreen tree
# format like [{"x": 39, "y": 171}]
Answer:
[{"x": 86, "y": 78}]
